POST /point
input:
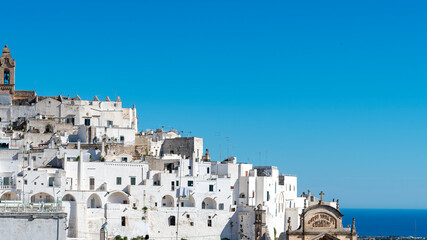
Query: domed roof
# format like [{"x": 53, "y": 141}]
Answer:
[{"x": 6, "y": 49}]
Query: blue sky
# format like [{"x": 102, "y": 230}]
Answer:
[{"x": 331, "y": 91}]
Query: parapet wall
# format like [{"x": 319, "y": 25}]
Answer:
[{"x": 34, "y": 225}]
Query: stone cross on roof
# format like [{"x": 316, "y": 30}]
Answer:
[{"x": 321, "y": 196}]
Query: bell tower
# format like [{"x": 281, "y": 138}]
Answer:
[{"x": 7, "y": 72}]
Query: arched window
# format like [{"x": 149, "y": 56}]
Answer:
[{"x": 6, "y": 76}]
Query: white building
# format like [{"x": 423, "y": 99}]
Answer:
[{"x": 87, "y": 159}]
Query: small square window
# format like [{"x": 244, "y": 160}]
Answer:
[
  {"x": 221, "y": 206},
  {"x": 209, "y": 222},
  {"x": 190, "y": 183},
  {"x": 132, "y": 181},
  {"x": 211, "y": 188},
  {"x": 87, "y": 121},
  {"x": 118, "y": 181}
]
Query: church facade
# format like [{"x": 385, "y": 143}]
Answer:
[{"x": 322, "y": 222}]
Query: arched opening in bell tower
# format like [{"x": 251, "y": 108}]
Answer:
[{"x": 6, "y": 76}]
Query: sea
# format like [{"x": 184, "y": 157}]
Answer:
[{"x": 387, "y": 222}]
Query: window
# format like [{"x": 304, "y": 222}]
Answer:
[
  {"x": 124, "y": 159},
  {"x": 172, "y": 221},
  {"x": 118, "y": 181},
  {"x": 109, "y": 123},
  {"x": 207, "y": 170},
  {"x": 172, "y": 185},
  {"x": 132, "y": 181},
  {"x": 182, "y": 204},
  {"x": 177, "y": 183},
  {"x": 211, "y": 188},
  {"x": 51, "y": 180},
  {"x": 189, "y": 167},
  {"x": 6, "y": 181},
  {"x": 190, "y": 183},
  {"x": 87, "y": 121},
  {"x": 122, "y": 138},
  {"x": 123, "y": 221},
  {"x": 221, "y": 206},
  {"x": 70, "y": 120},
  {"x": 268, "y": 196},
  {"x": 191, "y": 223},
  {"x": 209, "y": 222},
  {"x": 25, "y": 181},
  {"x": 92, "y": 183},
  {"x": 188, "y": 215}
]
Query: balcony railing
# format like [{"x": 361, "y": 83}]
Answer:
[{"x": 7, "y": 186}]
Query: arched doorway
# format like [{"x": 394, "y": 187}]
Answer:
[
  {"x": 42, "y": 197},
  {"x": 208, "y": 203},
  {"x": 118, "y": 197},
  {"x": 69, "y": 205},
  {"x": 94, "y": 201},
  {"x": 188, "y": 202},
  {"x": 9, "y": 196},
  {"x": 167, "y": 201}
]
